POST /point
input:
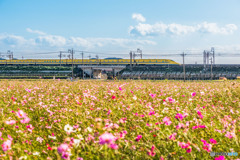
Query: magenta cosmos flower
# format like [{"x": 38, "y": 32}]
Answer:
[
  {"x": 152, "y": 95},
  {"x": 179, "y": 116},
  {"x": 193, "y": 94},
  {"x": 107, "y": 138},
  {"x": 200, "y": 114},
  {"x": 220, "y": 158},
  {"x": 213, "y": 141},
  {"x": 138, "y": 138}
]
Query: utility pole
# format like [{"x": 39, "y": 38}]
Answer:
[
  {"x": 213, "y": 53},
  {"x": 71, "y": 52},
  {"x": 82, "y": 67},
  {"x": 131, "y": 54},
  {"x": 183, "y": 55},
  {"x": 60, "y": 58},
  {"x": 211, "y": 68}
]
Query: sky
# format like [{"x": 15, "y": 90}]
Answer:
[{"x": 113, "y": 28}]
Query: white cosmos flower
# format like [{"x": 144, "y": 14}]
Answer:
[
  {"x": 76, "y": 142},
  {"x": 80, "y": 136},
  {"x": 23, "y": 157},
  {"x": 52, "y": 137},
  {"x": 135, "y": 97},
  {"x": 19, "y": 131},
  {"x": 36, "y": 153},
  {"x": 89, "y": 129},
  {"x": 68, "y": 128}
]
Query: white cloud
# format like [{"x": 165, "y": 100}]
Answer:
[
  {"x": 12, "y": 40},
  {"x": 215, "y": 29},
  {"x": 138, "y": 17},
  {"x": 35, "y": 31},
  {"x": 142, "y": 29},
  {"x": 80, "y": 42},
  {"x": 51, "y": 40}
]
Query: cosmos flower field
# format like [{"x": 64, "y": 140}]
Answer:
[{"x": 118, "y": 119}]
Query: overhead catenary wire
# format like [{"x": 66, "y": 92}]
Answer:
[{"x": 121, "y": 54}]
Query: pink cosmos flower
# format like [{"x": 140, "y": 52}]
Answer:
[
  {"x": 185, "y": 115},
  {"x": 120, "y": 88},
  {"x": 206, "y": 146},
  {"x": 0, "y": 134},
  {"x": 113, "y": 146},
  {"x": 213, "y": 141},
  {"x": 179, "y": 116},
  {"x": 172, "y": 136},
  {"x": 167, "y": 121},
  {"x": 189, "y": 149},
  {"x": 151, "y": 113},
  {"x": 138, "y": 138},
  {"x": 11, "y": 122},
  {"x": 25, "y": 120},
  {"x": 180, "y": 125},
  {"x": 229, "y": 135},
  {"x": 28, "y": 90},
  {"x": 6, "y": 145},
  {"x": 109, "y": 111},
  {"x": 152, "y": 95},
  {"x": 170, "y": 100},
  {"x": 183, "y": 145},
  {"x": 21, "y": 114},
  {"x": 220, "y": 158},
  {"x": 63, "y": 148},
  {"x": 39, "y": 139},
  {"x": 10, "y": 138},
  {"x": 66, "y": 155},
  {"x": 152, "y": 153},
  {"x": 200, "y": 114},
  {"x": 204, "y": 141},
  {"x": 194, "y": 127},
  {"x": 107, "y": 138},
  {"x": 202, "y": 126}
]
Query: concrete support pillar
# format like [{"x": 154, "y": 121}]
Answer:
[{"x": 114, "y": 73}]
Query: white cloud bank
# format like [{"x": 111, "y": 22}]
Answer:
[
  {"x": 144, "y": 29},
  {"x": 48, "y": 41}
]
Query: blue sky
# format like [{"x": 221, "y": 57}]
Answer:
[{"x": 118, "y": 26}]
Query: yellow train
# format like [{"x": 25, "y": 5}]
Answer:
[{"x": 88, "y": 62}]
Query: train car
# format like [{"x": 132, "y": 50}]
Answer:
[{"x": 88, "y": 62}]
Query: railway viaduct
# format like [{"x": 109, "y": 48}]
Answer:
[{"x": 96, "y": 70}]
